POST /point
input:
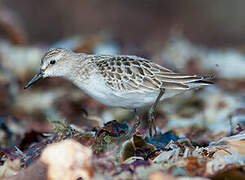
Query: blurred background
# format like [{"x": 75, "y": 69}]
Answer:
[{"x": 203, "y": 37}]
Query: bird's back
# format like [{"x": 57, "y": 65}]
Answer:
[{"x": 136, "y": 74}]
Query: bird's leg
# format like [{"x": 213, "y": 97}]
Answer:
[
  {"x": 136, "y": 124},
  {"x": 151, "y": 115},
  {"x": 131, "y": 132}
]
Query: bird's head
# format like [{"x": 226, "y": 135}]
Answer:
[{"x": 53, "y": 64}]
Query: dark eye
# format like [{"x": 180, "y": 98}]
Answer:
[{"x": 52, "y": 62}]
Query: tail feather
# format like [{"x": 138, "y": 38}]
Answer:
[
  {"x": 182, "y": 78},
  {"x": 183, "y": 81},
  {"x": 203, "y": 81},
  {"x": 207, "y": 77}
]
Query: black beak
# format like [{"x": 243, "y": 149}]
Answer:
[{"x": 34, "y": 79}]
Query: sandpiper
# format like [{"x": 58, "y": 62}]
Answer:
[{"x": 118, "y": 80}]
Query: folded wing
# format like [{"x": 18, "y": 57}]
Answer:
[{"x": 135, "y": 74}]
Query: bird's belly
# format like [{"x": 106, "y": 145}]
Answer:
[
  {"x": 130, "y": 100},
  {"x": 102, "y": 93},
  {"x": 140, "y": 99},
  {"x": 124, "y": 99}
]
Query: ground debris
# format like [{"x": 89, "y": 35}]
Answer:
[{"x": 139, "y": 156}]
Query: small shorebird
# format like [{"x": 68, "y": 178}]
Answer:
[{"x": 118, "y": 80}]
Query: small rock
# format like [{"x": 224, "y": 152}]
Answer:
[
  {"x": 159, "y": 175},
  {"x": 68, "y": 160}
]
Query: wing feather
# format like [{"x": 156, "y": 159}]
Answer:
[{"x": 135, "y": 74}]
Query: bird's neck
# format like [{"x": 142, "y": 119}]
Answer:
[{"x": 80, "y": 71}]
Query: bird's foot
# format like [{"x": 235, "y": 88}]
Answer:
[
  {"x": 152, "y": 123},
  {"x": 133, "y": 129},
  {"x": 129, "y": 134}
]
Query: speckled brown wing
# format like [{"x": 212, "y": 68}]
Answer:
[{"x": 135, "y": 74}]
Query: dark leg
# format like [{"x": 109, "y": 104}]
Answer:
[
  {"x": 131, "y": 132},
  {"x": 136, "y": 124},
  {"x": 151, "y": 116}
]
